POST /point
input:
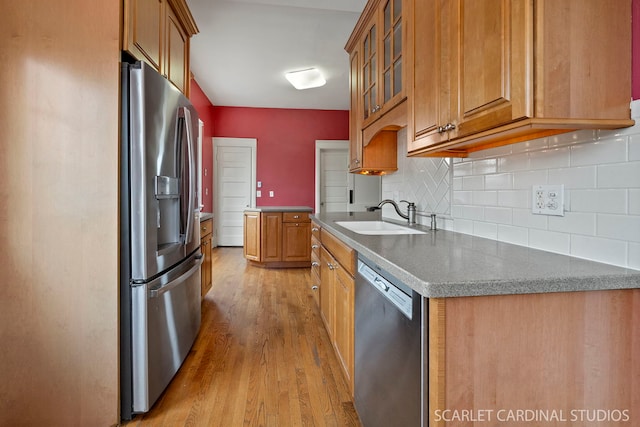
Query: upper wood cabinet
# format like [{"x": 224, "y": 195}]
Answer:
[
  {"x": 377, "y": 83},
  {"x": 486, "y": 73},
  {"x": 158, "y": 32}
]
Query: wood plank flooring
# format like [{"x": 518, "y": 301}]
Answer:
[{"x": 262, "y": 358}]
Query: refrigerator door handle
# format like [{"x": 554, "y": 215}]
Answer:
[
  {"x": 154, "y": 293},
  {"x": 188, "y": 230}
]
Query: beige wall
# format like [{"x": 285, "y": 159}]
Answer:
[{"x": 59, "y": 78}]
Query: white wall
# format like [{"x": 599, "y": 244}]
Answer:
[{"x": 491, "y": 193}]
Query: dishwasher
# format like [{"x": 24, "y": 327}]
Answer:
[{"x": 388, "y": 349}]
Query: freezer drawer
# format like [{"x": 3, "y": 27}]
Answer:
[{"x": 165, "y": 323}]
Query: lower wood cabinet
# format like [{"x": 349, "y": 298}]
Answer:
[
  {"x": 277, "y": 239},
  {"x": 337, "y": 298},
  {"x": 206, "y": 243}
]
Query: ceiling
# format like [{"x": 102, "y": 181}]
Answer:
[{"x": 245, "y": 46}]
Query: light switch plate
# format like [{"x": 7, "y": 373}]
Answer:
[{"x": 548, "y": 200}]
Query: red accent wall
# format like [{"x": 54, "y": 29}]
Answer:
[
  {"x": 635, "y": 77},
  {"x": 205, "y": 111},
  {"x": 286, "y": 147}
]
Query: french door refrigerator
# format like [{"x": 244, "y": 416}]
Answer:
[{"x": 160, "y": 235}]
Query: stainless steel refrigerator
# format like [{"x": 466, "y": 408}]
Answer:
[{"x": 160, "y": 235}]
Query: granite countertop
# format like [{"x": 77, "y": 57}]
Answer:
[
  {"x": 280, "y": 209},
  {"x": 448, "y": 264}
]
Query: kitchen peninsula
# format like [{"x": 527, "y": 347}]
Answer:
[
  {"x": 277, "y": 236},
  {"x": 513, "y": 328}
]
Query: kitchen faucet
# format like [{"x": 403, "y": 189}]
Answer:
[{"x": 410, "y": 216}]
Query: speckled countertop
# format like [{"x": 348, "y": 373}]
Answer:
[
  {"x": 449, "y": 264},
  {"x": 280, "y": 209},
  {"x": 205, "y": 216}
]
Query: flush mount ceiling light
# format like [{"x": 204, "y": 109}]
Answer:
[{"x": 305, "y": 79}]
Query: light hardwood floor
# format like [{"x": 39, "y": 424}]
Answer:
[{"x": 262, "y": 358}]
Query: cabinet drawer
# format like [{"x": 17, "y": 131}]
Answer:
[
  {"x": 315, "y": 246},
  {"x": 315, "y": 230},
  {"x": 206, "y": 227},
  {"x": 345, "y": 255},
  {"x": 295, "y": 217}
]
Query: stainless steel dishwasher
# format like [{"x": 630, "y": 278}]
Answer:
[{"x": 388, "y": 349}]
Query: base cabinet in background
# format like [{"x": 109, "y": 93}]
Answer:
[
  {"x": 277, "y": 239},
  {"x": 206, "y": 243}
]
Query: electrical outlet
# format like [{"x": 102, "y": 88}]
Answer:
[
  {"x": 548, "y": 200},
  {"x": 270, "y": 193}
]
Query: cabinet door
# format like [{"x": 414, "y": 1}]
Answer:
[
  {"x": 355, "y": 122},
  {"x": 344, "y": 294},
  {"x": 271, "y": 247},
  {"x": 430, "y": 100},
  {"x": 369, "y": 66},
  {"x": 251, "y": 247},
  {"x": 492, "y": 83},
  {"x": 206, "y": 265},
  {"x": 392, "y": 37},
  {"x": 144, "y": 34},
  {"x": 295, "y": 241},
  {"x": 177, "y": 53},
  {"x": 327, "y": 265}
]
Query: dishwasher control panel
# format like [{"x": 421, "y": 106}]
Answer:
[{"x": 394, "y": 294}]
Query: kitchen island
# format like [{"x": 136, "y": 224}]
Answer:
[
  {"x": 514, "y": 335},
  {"x": 277, "y": 236}
]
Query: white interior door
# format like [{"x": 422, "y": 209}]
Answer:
[
  {"x": 235, "y": 160},
  {"x": 337, "y": 190},
  {"x": 334, "y": 180}
]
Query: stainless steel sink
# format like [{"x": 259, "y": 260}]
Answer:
[{"x": 377, "y": 227}]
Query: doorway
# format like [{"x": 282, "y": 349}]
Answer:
[
  {"x": 337, "y": 190},
  {"x": 234, "y": 187}
]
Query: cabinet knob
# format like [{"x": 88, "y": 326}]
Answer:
[
  {"x": 446, "y": 128},
  {"x": 314, "y": 288},
  {"x": 314, "y": 229},
  {"x": 314, "y": 246},
  {"x": 314, "y": 264},
  {"x": 296, "y": 216}
]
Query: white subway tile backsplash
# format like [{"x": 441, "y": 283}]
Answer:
[
  {"x": 551, "y": 241},
  {"x": 515, "y": 162},
  {"x": 595, "y": 153},
  {"x": 515, "y": 235},
  {"x": 633, "y": 257},
  {"x": 527, "y": 179},
  {"x": 483, "y": 167},
  {"x": 524, "y": 218},
  {"x": 634, "y": 147},
  {"x": 569, "y": 138},
  {"x": 622, "y": 227},
  {"x": 501, "y": 181},
  {"x": 599, "y": 249},
  {"x": 619, "y": 175},
  {"x": 463, "y": 226},
  {"x": 473, "y": 182},
  {"x": 486, "y": 230},
  {"x": 579, "y": 177},
  {"x": 574, "y": 223},
  {"x": 462, "y": 197},
  {"x": 514, "y": 198},
  {"x": 549, "y": 159},
  {"x": 603, "y": 201},
  {"x": 498, "y": 215},
  {"x": 634, "y": 202},
  {"x": 485, "y": 198},
  {"x": 488, "y": 194}
]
